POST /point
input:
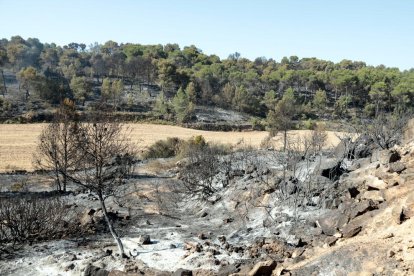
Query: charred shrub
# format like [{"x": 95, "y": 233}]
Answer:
[{"x": 29, "y": 219}]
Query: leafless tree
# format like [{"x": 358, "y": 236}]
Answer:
[
  {"x": 386, "y": 130},
  {"x": 104, "y": 158},
  {"x": 199, "y": 173},
  {"x": 56, "y": 151}
]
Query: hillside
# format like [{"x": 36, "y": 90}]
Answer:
[
  {"x": 165, "y": 82},
  {"x": 334, "y": 212}
]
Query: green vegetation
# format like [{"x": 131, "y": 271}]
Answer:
[
  {"x": 171, "y": 82},
  {"x": 174, "y": 146}
]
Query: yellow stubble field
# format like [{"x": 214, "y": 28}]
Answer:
[{"x": 18, "y": 141}]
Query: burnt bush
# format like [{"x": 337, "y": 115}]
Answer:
[{"x": 28, "y": 219}]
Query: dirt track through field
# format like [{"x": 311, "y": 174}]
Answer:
[{"x": 18, "y": 141}]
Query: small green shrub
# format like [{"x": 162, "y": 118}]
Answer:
[
  {"x": 177, "y": 147},
  {"x": 164, "y": 148},
  {"x": 309, "y": 124}
]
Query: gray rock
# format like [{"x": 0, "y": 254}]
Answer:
[
  {"x": 388, "y": 156},
  {"x": 397, "y": 167},
  {"x": 144, "y": 239},
  {"x": 363, "y": 207},
  {"x": 331, "y": 222},
  {"x": 351, "y": 230},
  {"x": 95, "y": 271},
  {"x": 182, "y": 272}
]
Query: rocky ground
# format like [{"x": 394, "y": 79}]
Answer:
[{"x": 353, "y": 219}]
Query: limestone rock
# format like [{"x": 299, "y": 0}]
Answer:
[
  {"x": 373, "y": 195},
  {"x": 375, "y": 183},
  {"x": 396, "y": 167}
]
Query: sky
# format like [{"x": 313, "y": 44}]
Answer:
[{"x": 374, "y": 31}]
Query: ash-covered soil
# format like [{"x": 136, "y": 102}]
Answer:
[{"x": 330, "y": 217}]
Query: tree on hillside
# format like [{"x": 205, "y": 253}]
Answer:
[
  {"x": 106, "y": 89},
  {"x": 191, "y": 92},
  {"x": 116, "y": 91},
  {"x": 403, "y": 93},
  {"x": 81, "y": 88},
  {"x": 161, "y": 107},
  {"x": 28, "y": 79},
  {"x": 378, "y": 95},
  {"x": 320, "y": 100},
  {"x": 183, "y": 108},
  {"x": 281, "y": 117},
  {"x": 3, "y": 59}
]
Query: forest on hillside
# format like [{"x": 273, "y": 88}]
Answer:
[{"x": 36, "y": 76}]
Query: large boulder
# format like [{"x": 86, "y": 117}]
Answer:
[{"x": 331, "y": 222}]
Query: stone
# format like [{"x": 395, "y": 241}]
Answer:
[
  {"x": 331, "y": 240},
  {"x": 375, "y": 183},
  {"x": 92, "y": 270},
  {"x": 144, "y": 239},
  {"x": 297, "y": 252},
  {"x": 408, "y": 211},
  {"x": 182, "y": 272},
  {"x": 202, "y": 236},
  {"x": 70, "y": 267},
  {"x": 363, "y": 207},
  {"x": 263, "y": 268},
  {"x": 390, "y": 253},
  {"x": 91, "y": 212},
  {"x": 330, "y": 222},
  {"x": 397, "y": 214},
  {"x": 388, "y": 156},
  {"x": 294, "y": 241},
  {"x": 222, "y": 239},
  {"x": 351, "y": 230},
  {"x": 373, "y": 195},
  {"x": 193, "y": 246},
  {"x": 396, "y": 167}
]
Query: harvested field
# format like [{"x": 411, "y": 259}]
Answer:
[{"x": 18, "y": 141}]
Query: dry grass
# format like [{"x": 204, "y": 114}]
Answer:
[{"x": 18, "y": 141}]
